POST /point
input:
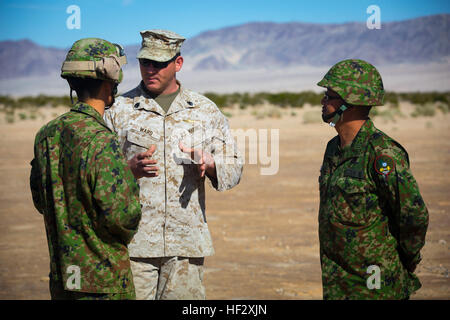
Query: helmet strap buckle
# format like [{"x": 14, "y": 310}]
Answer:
[{"x": 338, "y": 115}]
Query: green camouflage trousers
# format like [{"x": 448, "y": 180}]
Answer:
[
  {"x": 57, "y": 292},
  {"x": 168, "y": 278}
]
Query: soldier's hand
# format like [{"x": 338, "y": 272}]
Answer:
[
  {"x": 142, "y": 166},
  {"x": 205, "y": 162}
]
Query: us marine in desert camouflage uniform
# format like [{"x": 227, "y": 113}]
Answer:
[
  {"x": 83, "y": 186},
  {"x": 174, "y": 138},
  {"x": 372, "y": 218}
]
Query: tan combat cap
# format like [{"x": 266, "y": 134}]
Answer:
[{"x": 159, "y": 45}]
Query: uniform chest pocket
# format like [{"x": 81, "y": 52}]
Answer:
[
  {"x": 350, "y": 201},
  {"x": 139, "y": 139},
  {"x": 194, "y": 136},
  {"x": 136, "y": 142}
]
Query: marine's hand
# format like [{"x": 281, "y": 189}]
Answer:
[
  {"x": 204, "y": 160},
  {"x": 141, "y": 164}
]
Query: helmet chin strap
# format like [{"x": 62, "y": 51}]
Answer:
[
  {"x": 113, "y": 93},
  {"x": 335, "y": 115},
  {"x": 71, "y": 99}
]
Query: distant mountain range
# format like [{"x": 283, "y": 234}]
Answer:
[{"x": 269, "y": 45}]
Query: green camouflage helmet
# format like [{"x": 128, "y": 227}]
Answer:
[
  {"x": 94, "y": 58},
  {"x": 356, "y": 81}
]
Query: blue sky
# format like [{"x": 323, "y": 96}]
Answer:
[{"x": 44, "y": 21}]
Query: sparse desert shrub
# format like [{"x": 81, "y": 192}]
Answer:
[
  {"x": 422, "y": 98},
  {"x": 312, "y": 117},
  {"x": 387, "y": 114},
  {"x": 444, "y": 107},
  {"x": 251, "y": 100},
  {"x": 391, "y": 98},
  {"x": 219, "y": 99},
  {"x": 274, "y": 113},
  {"x": 426, "y": 110},
  {"x": 227, "y": 114},
  {"x": 7, "y": 102},
  {"x": 441, "y": 100},
  {"x": 284, "y": 99},
  {"x": 9, "y": 116},
  {"x": 258, "y": 114}
]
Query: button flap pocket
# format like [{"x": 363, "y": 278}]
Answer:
[
  {"x": 354, "y": 173},
  {"x": 195, "y": 137},
  {"x": 351, "y": 185},
  {"x": 138, "y": 138}
]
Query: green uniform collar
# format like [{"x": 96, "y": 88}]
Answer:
[
  {"x": 90, "y": 111},
  {"x": 358, "y": 144},
  {"x": 363, "y": 135}
]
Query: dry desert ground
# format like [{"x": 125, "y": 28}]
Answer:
[{"x": 265, "y": 230}]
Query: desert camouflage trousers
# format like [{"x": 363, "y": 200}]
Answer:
[{"x": 168, "y": 278}]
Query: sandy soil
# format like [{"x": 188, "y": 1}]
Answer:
[{"x": 265, "y": 230}]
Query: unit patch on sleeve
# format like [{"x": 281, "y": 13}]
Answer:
[{"x": 384, "y": 164}]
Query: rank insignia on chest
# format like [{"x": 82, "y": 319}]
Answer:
[{"x": 384, "y": 165}]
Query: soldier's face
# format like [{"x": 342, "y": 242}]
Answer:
[
  {"x": 112, "y": 97},
  {"x": 108, "y": 91},
  {"x": 159, "y": 78},
  {"x": 330, "y": 102}
]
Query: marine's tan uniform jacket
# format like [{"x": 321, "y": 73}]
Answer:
[{"x": 173, "y": 203}]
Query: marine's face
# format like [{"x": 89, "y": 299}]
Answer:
[
  {"x": 330, "y": 103},
  {"x": 159, "y": 77}
]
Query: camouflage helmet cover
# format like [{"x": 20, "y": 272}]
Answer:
[
  {"x": 96, "y": 59},
  {"x": 356, "y": 81}
]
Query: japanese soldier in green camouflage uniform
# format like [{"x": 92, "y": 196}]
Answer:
[
  {"x": 372, "y": 218},
  {"x": 83, "y": 186}
]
